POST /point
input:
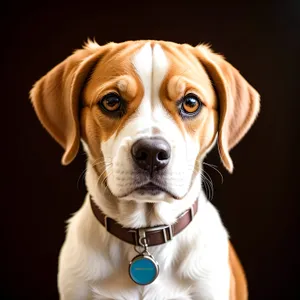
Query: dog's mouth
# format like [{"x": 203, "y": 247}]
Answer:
[
  {"x": 150, "y": 188},
  {"x": 153, "y": 189}
]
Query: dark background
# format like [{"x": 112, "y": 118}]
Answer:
[{"x": 259, "y": 203}]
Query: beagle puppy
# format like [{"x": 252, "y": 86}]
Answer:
[{"x": 147, "y": 113}]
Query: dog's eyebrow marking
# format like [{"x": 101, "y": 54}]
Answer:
[
  {"x": 176, "y": 87},
  {"x": 122, "y": 85}
]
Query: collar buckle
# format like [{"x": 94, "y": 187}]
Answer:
[{"x": 141, "y": 234}]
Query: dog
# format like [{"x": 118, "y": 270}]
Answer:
[{"x": 146, "y": 112}]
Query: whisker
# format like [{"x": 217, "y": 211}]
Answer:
[
  {"x": 109, "y": 172},
  {"x": 215, "y": 168},
  {"x": 93, "y": 164},
  {"x": 104, "y": 164},
  {"x": 105, "y": 170},
  {"x": 207, "y": 188},
  {"x": 209, "y": 182},
  {"x": 80, "y": 176},
  {"x": 106, "y": 186},
  {"x": 109, "y": 159},
  {"x": 100, "y": 176}
]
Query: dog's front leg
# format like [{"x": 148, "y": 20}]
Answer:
[
  {"x": 72, "y": 289},
  {"x": 71, "y": 285}
]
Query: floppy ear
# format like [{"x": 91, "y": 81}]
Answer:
[
  {"x": 55, "y": 98},
  {"x": 239, "y": 102}
]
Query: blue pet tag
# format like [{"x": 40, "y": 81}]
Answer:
[{"x": 143, "y": 269}]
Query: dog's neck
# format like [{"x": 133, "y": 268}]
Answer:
[{"x": 140, "y": 214}]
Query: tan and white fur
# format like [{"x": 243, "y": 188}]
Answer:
[{"x": 199, "y": 263}]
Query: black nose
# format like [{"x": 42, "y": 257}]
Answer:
[{"x": 151, "y": 154}]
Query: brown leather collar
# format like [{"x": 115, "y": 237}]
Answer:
[{"x": 156, "y": 235}]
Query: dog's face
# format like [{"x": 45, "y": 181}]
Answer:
[
  {"x": 147, "y": 113},
  {"x": 149, "y": 119}
]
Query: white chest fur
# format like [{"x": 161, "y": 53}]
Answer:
[{"x": 194, "y": 265}]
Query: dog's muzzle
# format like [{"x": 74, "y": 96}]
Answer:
[{"x": 151, "y": 154}]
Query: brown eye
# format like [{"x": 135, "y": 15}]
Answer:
[
  {"x": 190, "y": 105},
  {"x": 111, "y": 102}
]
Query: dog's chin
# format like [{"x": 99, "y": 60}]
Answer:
[
  {"x": 152, "y": 197},
  {"x": 149, "y": 193}
]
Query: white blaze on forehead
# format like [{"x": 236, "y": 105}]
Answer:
[
  {"x": 159, "y": 69},
  {"x": 142, "y": 62},
  {"x": 151, "y": 64}
]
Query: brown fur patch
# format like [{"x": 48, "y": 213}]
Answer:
[
  {"x": 187, "y": 75},
  {"x": 114, "y": 73},
  {"x": 238, "y": 283}
]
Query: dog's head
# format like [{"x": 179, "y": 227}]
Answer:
[{"x": 147, "y": 113}]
